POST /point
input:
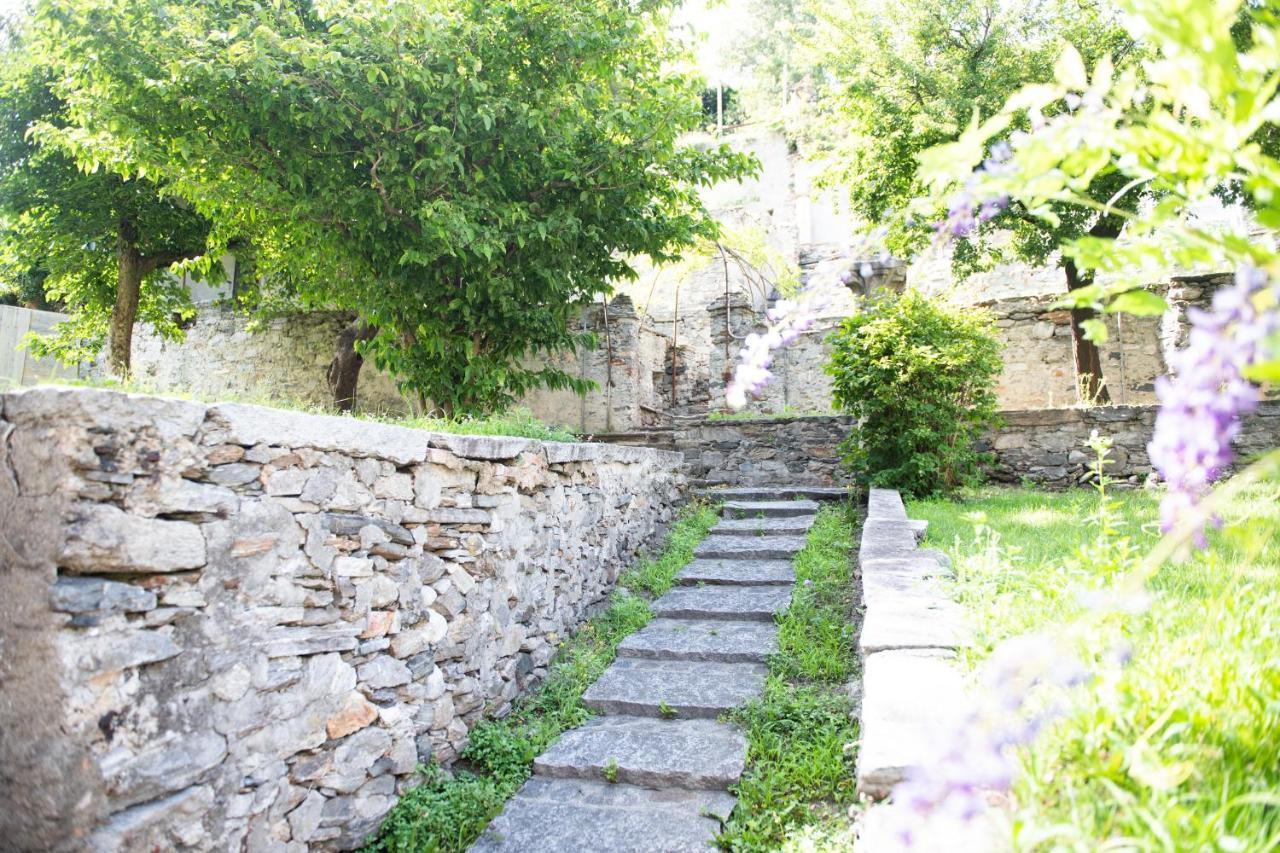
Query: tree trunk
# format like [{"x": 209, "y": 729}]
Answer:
[
  {"x": 1090, "y": 380},
  {"x": 344, "y": 371},
  {"x": 124, "y": 313}
]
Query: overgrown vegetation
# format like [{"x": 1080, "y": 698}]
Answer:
[
  {"x": 448, "y": 811},
  {"x": 799, "y": 732},
  {"x": 463, "y": 175},
  {"x": 1179, "y": 748},
  {"x": 921, "y": 380}
]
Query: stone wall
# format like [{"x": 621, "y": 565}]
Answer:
[
  {"x": 1047, "y": 447},
  {"x": 795, "y": 451},
  {"x": 231, "y": 627},
  {"x": 224, "y": 356}
]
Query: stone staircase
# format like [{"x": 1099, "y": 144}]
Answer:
[{"x": 652, "y": 773}]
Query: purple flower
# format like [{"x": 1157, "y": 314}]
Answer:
[
  {"x": 788, "y": 320},
  {"x": 1201, "y": 406}
]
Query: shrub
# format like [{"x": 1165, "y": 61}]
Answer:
[{"x": 921, "y": 381}]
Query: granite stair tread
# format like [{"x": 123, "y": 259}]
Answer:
[
  {"x": 749, "y": 547},
  {"x": 788, "y": 525},
  {"x": 737, "y": 573},
  {"x": 562, "y": 815},
  {"x": 768, "y": 509},
  {"x": 814, "y": 493},
  {"x": 748, "y": 603},
  {"x": 719, "y": 640},
  {"x": 686, "y": 689},
  {"x": 693, "y": 754}
]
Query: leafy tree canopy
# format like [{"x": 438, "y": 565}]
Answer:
[
  {"x": 90, "y": 242},
  {"x": 464, "y": 174}
]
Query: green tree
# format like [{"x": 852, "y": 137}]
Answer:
[
  {"x": 771, "y": 50},
  {"x": 912, "y": 76},
  {"x": 921, "y": 380},
  {"x": 465, "y": 175},
  {"x": 87, "y": 241}
]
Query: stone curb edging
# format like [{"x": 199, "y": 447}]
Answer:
[{"x": 909, "y": 635}]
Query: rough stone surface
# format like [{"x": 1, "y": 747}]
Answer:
[
  {"x": 906, "y": 621},
  {"x": 749, "y": 547},
  {"x": 750, "y": 603},
  {"x": 710, "y": 640},
  {"x": 230, "y": 627},
  {"x": 753, "y": 527},
  {"x": 737, "y": 572},
  {"x": 768, "y": 509},
  {"x": 689, "y": 689},
  {"x": 691, "y": 754},
  {"x": 744, "y": 493},
  {"x": 906, "y": 695},
  {"x": 558, "y": 815}
]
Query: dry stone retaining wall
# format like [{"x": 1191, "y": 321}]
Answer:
[
  {"x": 796, "y": 451},
  {"x": 230, "y": 627}
]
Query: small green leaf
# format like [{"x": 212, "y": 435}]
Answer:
[
  {"x": 1095, "y": 330},
  {"x": 1140, "y": 303}
]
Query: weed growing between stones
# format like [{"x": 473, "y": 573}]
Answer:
[
  {"x": 448, "y": 811},
  {"x": 799, "y": 761}
]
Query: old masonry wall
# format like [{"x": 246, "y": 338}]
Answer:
[{"x": 231, "y": 627}]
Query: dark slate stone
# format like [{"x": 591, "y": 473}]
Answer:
[
  {"x": 711, "y": 640},
  {"x": 750, "y": 603},
  {"x": 562, "y": 815},
  {"x": 343, "y": 524},
  {"x": 692, "y": 754},
  {"x": 689, "y": 689},
  {"x": 813, "y": 493},
  {"x": 84, "y": 595}
]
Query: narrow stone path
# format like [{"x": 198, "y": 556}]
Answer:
[{"x": 652, "y": 773}]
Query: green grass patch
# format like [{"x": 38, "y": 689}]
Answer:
[
  {"x": 448, "y": 811},
  {"x": 1180, "y": 748},
  {"x": 800, "y": 759}
]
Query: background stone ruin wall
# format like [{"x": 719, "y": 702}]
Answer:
[
  {"x": 230, "y": 627},
  {"x": 1046, "y": 447},
  {"x": 283, "y": 359}
]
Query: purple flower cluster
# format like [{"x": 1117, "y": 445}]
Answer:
[
  {"x": 1201, "y": 406},
  {"x": 967, "y": 211},
  {"x": 788, "y": 320},
  {"x": 975, "y": 753}
]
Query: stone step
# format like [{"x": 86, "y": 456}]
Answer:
[
  {"x": 689, "y": 689},
  {"x": 811, "y": 493},
  {"x": 768, "y": 509},
  {"x": 749, "y": 547},
  {"x": 706, "y": 640},
  {"x": 796, "y": 525},
  {"x": 693, "y": 754},
  {"x": 718, "y": 601},
  {"x": 737, "y": 573},
  {"x": 559, "y": 815}
]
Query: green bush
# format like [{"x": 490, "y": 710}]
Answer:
[{"x": 921, "y": 380}]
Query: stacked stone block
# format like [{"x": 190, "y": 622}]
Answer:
[{"x": 230, "y": 627}]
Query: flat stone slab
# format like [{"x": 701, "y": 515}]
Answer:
[
  {"x": 812, "y": 493},
  {"x": 692, "y": 754},
  {"x": 906, "y": 698},
  {"x": 912, "y": 621},
  {"x": 737, "y": 573},
  {"x": 768, "y": 509},
  {"x": 887, "y": 589},
  {"x": 749, "y": 547},
  {"x": 795, "y": 525},
  {"x": 749, "y": 603},
  {"x": 987, "y": 832},
  {"x": 561, "y": 815},
  {"x": 708, "y": 640},
  {"x": 693, "y": 690}
]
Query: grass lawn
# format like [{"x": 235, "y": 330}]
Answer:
[
  {"x": 1179, "y": 749},
  {"x": 799, "y": 733}
]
